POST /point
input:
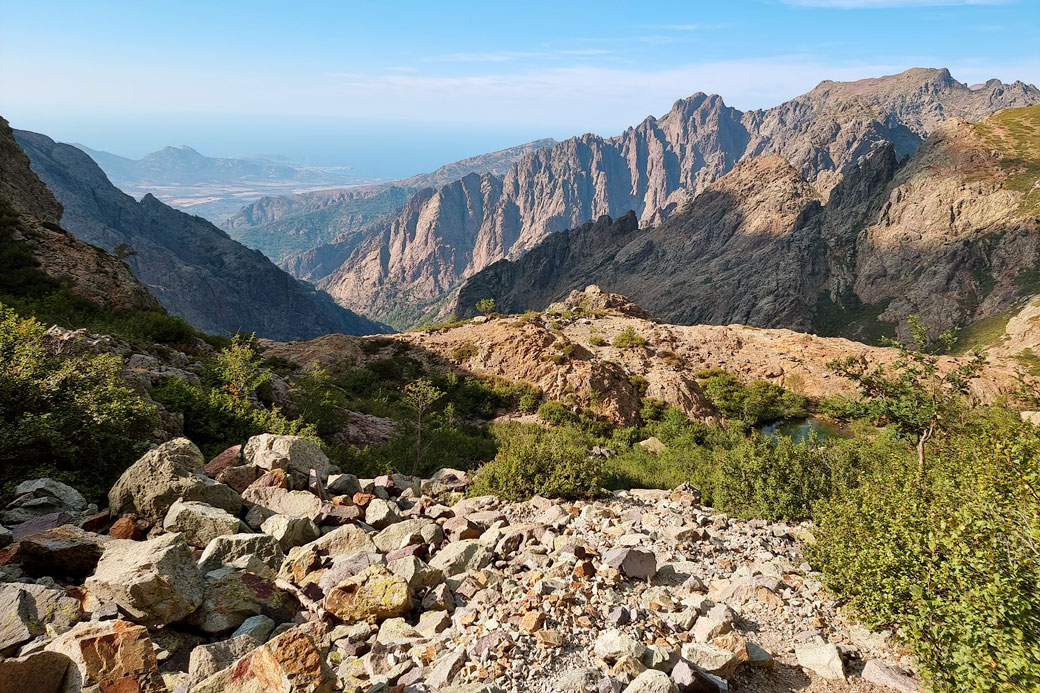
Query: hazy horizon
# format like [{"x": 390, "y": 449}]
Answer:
[{"x": 390, "y": 92}]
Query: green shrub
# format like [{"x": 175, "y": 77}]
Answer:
[
  {"x": 597, "y": 340},
  {"x": 71, "y": 418},
  {"x": 214, "y": 419},
  {"x": 628, "y": 338},
  {"x": 556, "y": 414},
  {"x": 464, "y": 351},
  {"x": 534, "y": 461},
  {"x": 756, "y": 403},
  {"x": 949, "y": 558}
]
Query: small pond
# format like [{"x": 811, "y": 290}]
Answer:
[{"x": 799, "y": 430}]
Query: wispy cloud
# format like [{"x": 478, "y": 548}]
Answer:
[
  {"x": 885, "y": 4},
  {"x": 506, "y": 56}
]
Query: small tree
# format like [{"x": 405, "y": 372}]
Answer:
[
  {"x": 913, "y": 394},
  {"x": 420, "y": 396},
  {"x": 123, "y": 251},
  {"x": 486, "y": 306},
  {"x": 239, "y": 367}
]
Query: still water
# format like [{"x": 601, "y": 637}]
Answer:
[{"x": 800, "y": 429}]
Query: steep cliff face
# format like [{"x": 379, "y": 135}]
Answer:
[
  {"x": 283, "y": 227},
  {"x": 194, "y": 268},
  {"x": 950, "y": 234},
  {"x": 30, "y": 220},
  {"x": 656, "y": 167}
]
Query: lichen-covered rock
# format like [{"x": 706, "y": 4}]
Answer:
[
  {"x": 652, "y": 681},
  {"x": 162, "y": 476},
  {"x": 300, "y": 455},
  {"x": 289, "y": 663},
  {"x": 461, "y": 557},
  {"x": 26, "y": 610},
  {"x": 257, "y": 553},
  {"x": 200, "y": 523},
  {"x": 234, "y": 596},
  {"x": 109, "y": 657},
  {"x": 372, "y": 595},
  {"x": 155, "y": 582}
]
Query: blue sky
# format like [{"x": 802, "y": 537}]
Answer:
[{"x": 394, "y": 88}]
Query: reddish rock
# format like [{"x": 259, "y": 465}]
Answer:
[
  {"x": 127, "y": 527},
  {"x": 109, "y": 657},
  {"x": 336, "y": 515},
  {"x": 276, "y": 478},
  {"x": 239, "y": 477},
  {"x": 40, "y": 524},
  {"x": 289, "y": 663},
  {"x": 458, "y": 528},
  {"x": 363, "y": 499},
  {"x": 417, "y": 550},
  {"x": 97, "y": 522},
  {"x": 229, "y": 458}
]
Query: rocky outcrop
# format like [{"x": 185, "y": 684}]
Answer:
[
  {"x": 947, "y": 235},
  {"x": 442, "y": 236},
  {"x": 193, "y": 267},
  {"x": 284, "y": 227},
  {"x": 30, "y": 219}
]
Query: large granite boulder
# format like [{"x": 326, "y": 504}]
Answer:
[{"x": 165, "y": 474}]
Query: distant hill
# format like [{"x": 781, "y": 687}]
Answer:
[{"x": 194, "y": 268}]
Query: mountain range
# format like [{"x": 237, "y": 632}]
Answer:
[
  {"x": 192, "y": 267},
  {"x": 403, "y": 267},
  {"x": 214, "y": 187},
  {"x": 282, "y": 227}
]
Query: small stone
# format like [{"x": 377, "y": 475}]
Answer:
[
  {"x": 611, "y": 645},
  {"x": 549, "y": 638},
  {"x": 632, "y": 562},
  {"x": 257, "y": 627},
  {"x": 584, "y": 681},
  {"x": 291, "y": 530},
  {"x": 888, "y": 675},
  {"x": 823, "y": 660},
  {"x": 128, "y": 527},
  {"x": 445, "y": 671},
  {"x": 433, "y": 622},
  {"x": 652, "y": 681},
  {"x": 532, "y": 621},
  {"x": 689, "y": 678},
  {"x": 461, "y": 557}
]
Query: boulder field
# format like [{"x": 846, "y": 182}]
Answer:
[{"x": 265, "y": 570}]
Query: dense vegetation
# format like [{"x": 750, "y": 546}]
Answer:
[{"x": 71, "y": 418}]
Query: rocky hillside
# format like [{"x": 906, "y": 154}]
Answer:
[
  {"x": 30, "y": 217},
  {"x": 262, "y": 570},
  {"x": 651, "y": 169},
  {"x": 194, "y": 268},
  {"x": 569, "y": 352},
  {"x": 950, "y": 234},
  {"x": 282, "y": 227}
]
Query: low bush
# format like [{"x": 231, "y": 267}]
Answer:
[
  {"x": 629, "y": 339},
  {"x": 556, "y": 414},
  {"x": 754, "y": 404},
  {"x": 950, "y": 557},
  {"x": 71, "y": 418},
  {"x": 464, "y": 351},
  {"x": 534, "y": 461},
  {"x": 597, "y": 340}
]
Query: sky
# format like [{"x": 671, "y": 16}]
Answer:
[{"x": 396, "y": 88}]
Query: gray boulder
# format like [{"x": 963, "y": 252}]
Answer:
[
  {"x": 462, "y": 557},
  {"x": 200, "y": 523},
  {"x": 632, "y": 562},
  {"x": 652, "y": 681},
  {"x": 298, "y": 455},
  {"x": 823, "y": 660},
  {"x": 257, "y": 553},
  {"x": 155, "y": 582},
  {"x": 26, "y": 610},
  {"x": 291, "y": 530},
  {"x": 162, "y": 476},
  {"x": 209, "y": 659}
]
